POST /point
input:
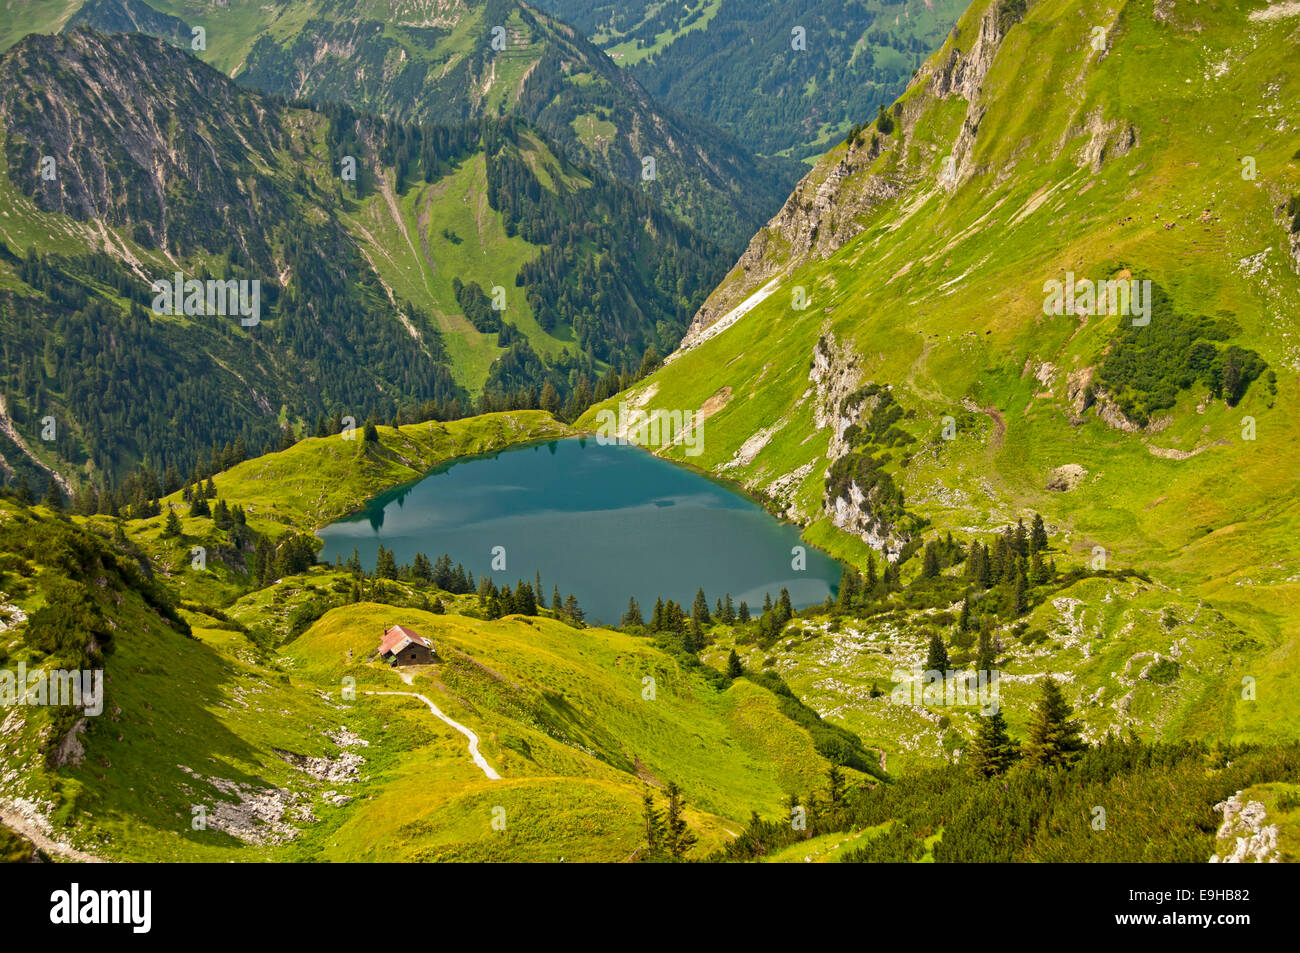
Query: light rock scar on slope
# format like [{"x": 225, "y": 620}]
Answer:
[
  {"x": 21, "y": 824},
  {"x": 7, "y": 427}
]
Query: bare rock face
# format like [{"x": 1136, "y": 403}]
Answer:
[
  {"x": 834, "y": 375},
  {"x": 962, "y": 74},
  {"x": 1065, "y": 478},
  {"x": 70, "y": 750},
  {"x": 1107, "y": 139},
  {"x": 1255, "y": 841},
  {"x": 825, "y": 210}
]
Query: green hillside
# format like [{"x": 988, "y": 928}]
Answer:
[
  {"x": 924, "y": 284},
  {"x": 272, "y": 741}
]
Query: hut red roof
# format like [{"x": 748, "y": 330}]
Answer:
[{"x": 397, "y": 637}]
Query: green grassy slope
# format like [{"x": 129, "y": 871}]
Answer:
[
  {"x": 932, "y": 284},
  {"x": 560, "y": 713},
  {"x": 238, "y": 705}
]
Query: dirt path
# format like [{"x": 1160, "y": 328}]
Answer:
[
  {"x": 473, "y": 738},
  {"x": 999, "y": 426},
  {"x": 21, "y": 825}
]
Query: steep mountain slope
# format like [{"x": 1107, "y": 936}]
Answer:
[
  {"x": 451, "y": 61},
  {"x": 885, "y": 361},
  {"x": 782, "y": 79},
  {"x": 114, "y": 178}
]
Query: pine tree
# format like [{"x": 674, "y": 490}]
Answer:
[
  {"x": 1038, "y": 534},
  {"x": 930, "y": 561},
  {"x": 1053, "y": 733},
  {"x": 986, "y": 656},
  {"x": 848, "y": 587},
  {"x": 734, "y": 668},
  {"x": 964, "y": 623},
  {"x": 633, "y": 614},
  {"x": 1021, "y": 539},
  {"x": 1020, "y": 597},
  {"x": 53, "y": 498},
  {"x": 936, "y": 659},
  {"x": 556, "y": 604},
  {"x": 24, "y": 492},
  {"x": 728, "y": 610},
  {"x": 992, "y": 751},
  {"x": 1037, "y": 571},
  {"x": 573, "y": 612},
  {"x": 679, "y": 839},
  {"x": 385, "y": 563},
  {"x": 657, "y": 618},
  {"x": 835, "y": 784},
  {"x": 653, "y": 820},
  {"x": 172, "y": 528},
  {"x": 742, "y": 613},
  {"x": 550, "y": 399},
  {"x": 693, "y": 639},
  {"x": 700, "y": 611}
]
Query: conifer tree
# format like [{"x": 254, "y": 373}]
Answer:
[
  {"x": 728, "y": 610},
  {"x": 700, "y": 611},
  {"x": 986, "y": 655},
  {"x": 385, "y": 563},
  {"x": 1038, "y": 534},
  {"x": 930, "y": 561},
  {"x": 834, "y": 784},
  {"x": 1053, "y": 733},
  {"x": 734, "y": 668},
  {"x": 1020, "y": 597},
  {"x": 53, "y": 498},
  {"x": 936, "y": 659},
  {"x": 742, "y": 613},
  {"x": 679, "y": 839},
  {"x": 172, "y": 529},
  {"x": 633, "y": 614},
  {"x": 653, "y": 820},
  {"x": 992, "y": 751}
]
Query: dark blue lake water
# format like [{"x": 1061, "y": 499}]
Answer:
[{"x": 604, "y": 522}]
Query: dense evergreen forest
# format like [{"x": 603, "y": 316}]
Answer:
[
  {"x": 740, "y": 64},
  {"x": 133, "y": 394}
]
